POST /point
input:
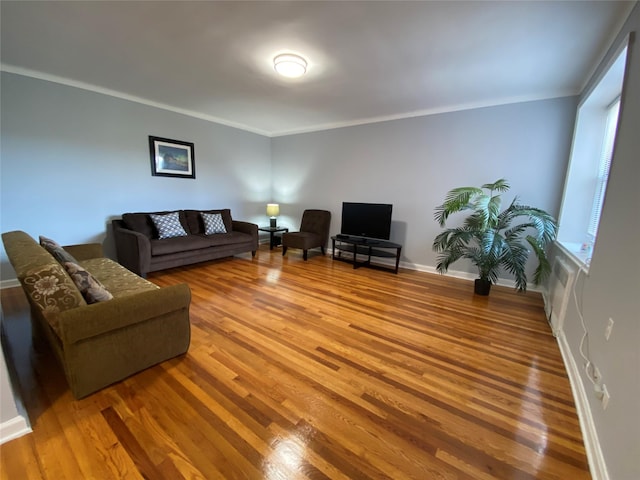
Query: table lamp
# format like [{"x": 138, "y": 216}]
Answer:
[{"x": 273, "y": 210}]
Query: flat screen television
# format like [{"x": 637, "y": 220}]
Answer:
[{"x": 368, "y": 220}]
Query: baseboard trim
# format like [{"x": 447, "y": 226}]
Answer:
[
  {"x": 14, "y": 428},
  {"x": 12, "y": 282},
  {"x": 595, "y": 457},
  {"x": 504, "y": 282}
]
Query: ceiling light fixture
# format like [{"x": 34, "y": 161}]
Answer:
[{"x": 290, "y": 65}]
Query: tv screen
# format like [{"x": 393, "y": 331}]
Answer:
[{"x": 370, "y": 220}]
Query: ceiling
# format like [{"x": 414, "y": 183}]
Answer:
[{"x": 368, "y": 60}]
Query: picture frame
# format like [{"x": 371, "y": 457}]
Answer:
[{"x": 172, "y": 158}]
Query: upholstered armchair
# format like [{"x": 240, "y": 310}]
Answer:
[{"x": 314, "y": 232}]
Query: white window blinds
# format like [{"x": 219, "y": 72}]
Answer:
[{"x": 604, "y": 167}]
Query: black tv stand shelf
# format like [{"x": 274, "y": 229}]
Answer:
[{"x": 365, "y": 247}]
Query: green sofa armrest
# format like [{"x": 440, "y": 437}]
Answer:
[
  {"x": 85, "y": 251},
  {"x": 92, "y": 320}
]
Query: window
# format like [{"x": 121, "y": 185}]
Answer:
[
  {"x": 603, "y": 167},
  {"x": 591, "y": 157}
]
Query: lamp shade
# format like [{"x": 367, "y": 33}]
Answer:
[{"x": 273, "y": 209}]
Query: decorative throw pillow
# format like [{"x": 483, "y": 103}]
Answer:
[
  {"x": 168, "y": 225},
  {"x": 56, "y": 250},
  {"x": 92, "y": 290},
  {"x": 213, "y": 223},
  {"x": 51, "y": 289}
]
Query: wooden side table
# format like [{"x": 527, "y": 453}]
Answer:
[{"x": 274, "y": 240}]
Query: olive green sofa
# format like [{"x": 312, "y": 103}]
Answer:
[{"x": 100, "y": 343}]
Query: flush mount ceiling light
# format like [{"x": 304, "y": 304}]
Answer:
[{"x": 290, "y": 65}]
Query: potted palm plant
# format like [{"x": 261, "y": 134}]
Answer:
[{"x": 491, "y": 238}]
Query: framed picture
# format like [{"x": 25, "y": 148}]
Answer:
[{"x": 172, "y": 158}]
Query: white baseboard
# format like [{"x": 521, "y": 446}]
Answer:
[
  {"x": 14, "y": 428},
  {"x": 597, "y": 465},
  {"x": 504, "y": 282},
  {"x": 12, "y": 282}
]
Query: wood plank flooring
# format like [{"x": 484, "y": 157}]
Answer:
[{"x": 313, "y": 370}]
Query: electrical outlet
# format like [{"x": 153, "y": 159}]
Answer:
[
  {"x": 607, "y": 331},
  {"x": 605, "y": 397},
  {"x": 597, "y": 390}
]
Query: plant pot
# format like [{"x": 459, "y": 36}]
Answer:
[{"x": 482, "y": 287}]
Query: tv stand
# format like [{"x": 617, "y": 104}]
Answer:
[{"x": 369, "y": 247}]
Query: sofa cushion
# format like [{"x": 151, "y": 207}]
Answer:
[
  {"x": 168, "y": 226},
  {"x": 141, "y": 222},
  {"x": 90, "y": 287},
  {"x": 178, "y": 244},
  {"x": 117, "y": 279},
  {"x": 226, "y": 238},
  {"x": 196, "y": 223},
  {"x": 213, "y": 223},
  {"x": 56, "y": 250}
]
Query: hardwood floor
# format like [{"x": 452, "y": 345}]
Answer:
[{"x": 315, "y": 370}]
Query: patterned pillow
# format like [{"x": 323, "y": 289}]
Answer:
[
  {"x": 168, "y": 225},
  {"x": 52, "y": 291},
  {"x": 90, "y": 287},
  {"x": 213, "y": 223},
  {"x": 56, "y": 250}
]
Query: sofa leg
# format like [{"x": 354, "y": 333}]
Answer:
[
  {"x": 322, "y": 250},
  {"x": 304, "y": 255},
  {"x": 284, "y": 250},
  {"x": 253, "y": 253}
]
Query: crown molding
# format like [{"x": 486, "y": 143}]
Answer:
[
  {"x": 497, "y": 102},
  {"x": 25, "y": 72},
  {"x": 316, "y": 128}
]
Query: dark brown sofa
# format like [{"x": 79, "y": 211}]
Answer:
[{"x": 140, "y": 250}]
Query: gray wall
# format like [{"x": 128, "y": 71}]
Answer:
[
  {"x": 412, "y": 163},
  {"x": 612, "y": 288},
  {"x": 74, "y": 159}
]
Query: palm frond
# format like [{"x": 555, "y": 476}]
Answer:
[
  {"x": 514, "y": 260},
  {"x": 500, "y": 185},
  {"x": 487, "y": 262},
  {"x": 493, "y": 208},
  {"x": 506, "y": 216},
  {"x": 455, "y": 200},
  {"x": 481, "y": 210},
  {"x": 544, "y": 267},
  {"x": 474, "y": 222},
  {"x": 517, "y": 231},
  {"x": 452, "y": 238},
  {"x": 447, "y": 258},
  {"x": 545, "y": 225}
]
